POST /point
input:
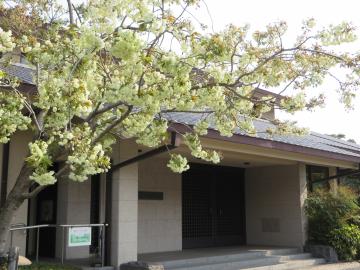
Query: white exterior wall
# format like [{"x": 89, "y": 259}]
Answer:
[
  {"x": 272, "y": 193},
  {"x": 73, "y": 207},
  {"x": 275, "y": 193},
  {"x": 124, "y": 216},
  {"x": 18, "y": 150},
  {"x": 160, "y": 224},
  {"x": 275, "y": 205}
]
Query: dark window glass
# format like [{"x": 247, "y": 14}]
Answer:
[{"x": 315, "y": 173}]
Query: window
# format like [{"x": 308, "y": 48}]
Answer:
[
  {"x": 316, "y": 173},
  {"x": 352, "y": 181}
]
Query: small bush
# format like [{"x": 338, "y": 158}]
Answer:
[
  {"x": 3, "y": 266},
  {"x": 328, "y": 211},
  {"x": 48, "y": 266},
  {"x": 333, "y": 220},
  {"x": 346, "y": 241},
  {"x": 3, "y": 263}
]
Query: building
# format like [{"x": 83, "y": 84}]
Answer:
[{"x": 255, "y": 196}]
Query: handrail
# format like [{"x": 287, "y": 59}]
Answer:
[
  {"x": 55, "y": 225},
  {"x": 84, "y": 225},
  {"x": 32, "y": 227},
  {"x": 62, "y": 226}
]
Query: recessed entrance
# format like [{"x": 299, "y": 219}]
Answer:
[
  {"x": 213, "y": 206},
  {"x": 46, "y": 214}
]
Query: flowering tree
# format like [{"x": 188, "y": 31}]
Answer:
[{"x": 115, "y": 68}]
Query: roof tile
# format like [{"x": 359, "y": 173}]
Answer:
[{"x": 313, "y": 140}]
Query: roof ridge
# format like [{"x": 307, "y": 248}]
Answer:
[
  {"x": 24, "y": 66},
  {"x": 330, "y": 138}
]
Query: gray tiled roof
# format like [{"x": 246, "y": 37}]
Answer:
[
  {"x": 313, "y": 140},
  {"x": 25, "y": 74}
]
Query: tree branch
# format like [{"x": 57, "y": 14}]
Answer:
[
  {"x": 71, "y": 12},
  {"x": 27, "y": 106},
  {"x": 323, "y": 53},
  {"x": 35, "y": 192},
  {"x": 39, "y": 188},
  {"x": 77, "y": 13},
  {"x": 105, "y": 109},
  {"x": 114, "y": 124}
]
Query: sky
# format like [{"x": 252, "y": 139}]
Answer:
[{"x": 333, "y": 118}]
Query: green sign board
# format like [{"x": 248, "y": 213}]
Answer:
[{"x": 79, "y": 236}]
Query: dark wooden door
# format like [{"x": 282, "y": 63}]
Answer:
[
  {"x": 198, "y": 209},
  {"x": 230, "y": 206},
  {"x": 213, "y": 206},
  {"x": 46, "y": 214}
]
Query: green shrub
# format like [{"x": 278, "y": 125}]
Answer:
[
  {"x": 3, "y": 263},
  {"x": 346, "y": 241},
  {"x": 334, "y": 220},
  {"x": 48, "y": 266},
  {"x": 328, "y": 211},
  {"x": 3, "y": 266}
]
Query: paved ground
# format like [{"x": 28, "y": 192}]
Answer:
[
  {"x": 337, "y": 266},
  {"x": 203, "y": 252}
]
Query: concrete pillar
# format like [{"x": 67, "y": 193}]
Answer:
[
  {"x": 333, "y": 183},
  {"x": 124, "y": 219},
  {"x": 74, "y": 208},
  {"x": 18, "y": 151},
  {"x": 303, "y": 195}
]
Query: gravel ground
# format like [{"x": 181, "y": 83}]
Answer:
[{"x": 336, "y": 266}]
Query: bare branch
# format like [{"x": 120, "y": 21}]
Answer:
[
  {"x": 338, "y": 58},
  {"x": 77, "y": 13},
  {"x": 35, "y": 192},
  {"x": 105, "y": 109},
  {"x": 209, "y": 13},
  {"x": 233, "y": 55},
  {"x": 27, "y": 106},
  {"x": 153, "y": 43},
  {"x": 71, "y": 13},
  {"x": 267, "y": 60},
  {"x": 113, "y": 125}
]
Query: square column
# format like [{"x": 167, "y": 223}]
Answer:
[
  {"x": 124, "y": 210},
  {"x": 303, "y": 189},
  {"x": 333, "y": 183}
]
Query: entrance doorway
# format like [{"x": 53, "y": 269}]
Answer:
[
  {"x": 46, "y": 214},
  {"x": 213, "y": 206}
]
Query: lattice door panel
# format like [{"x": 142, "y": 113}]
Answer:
[
  {"x": 197, "y": 206},
  {"x": 213, "y": 206}
]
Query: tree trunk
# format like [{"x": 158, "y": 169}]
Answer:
[{"x": 13, "y": 202}]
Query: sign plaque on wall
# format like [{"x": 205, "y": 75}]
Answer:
[{"x": 79, "y": 236}]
